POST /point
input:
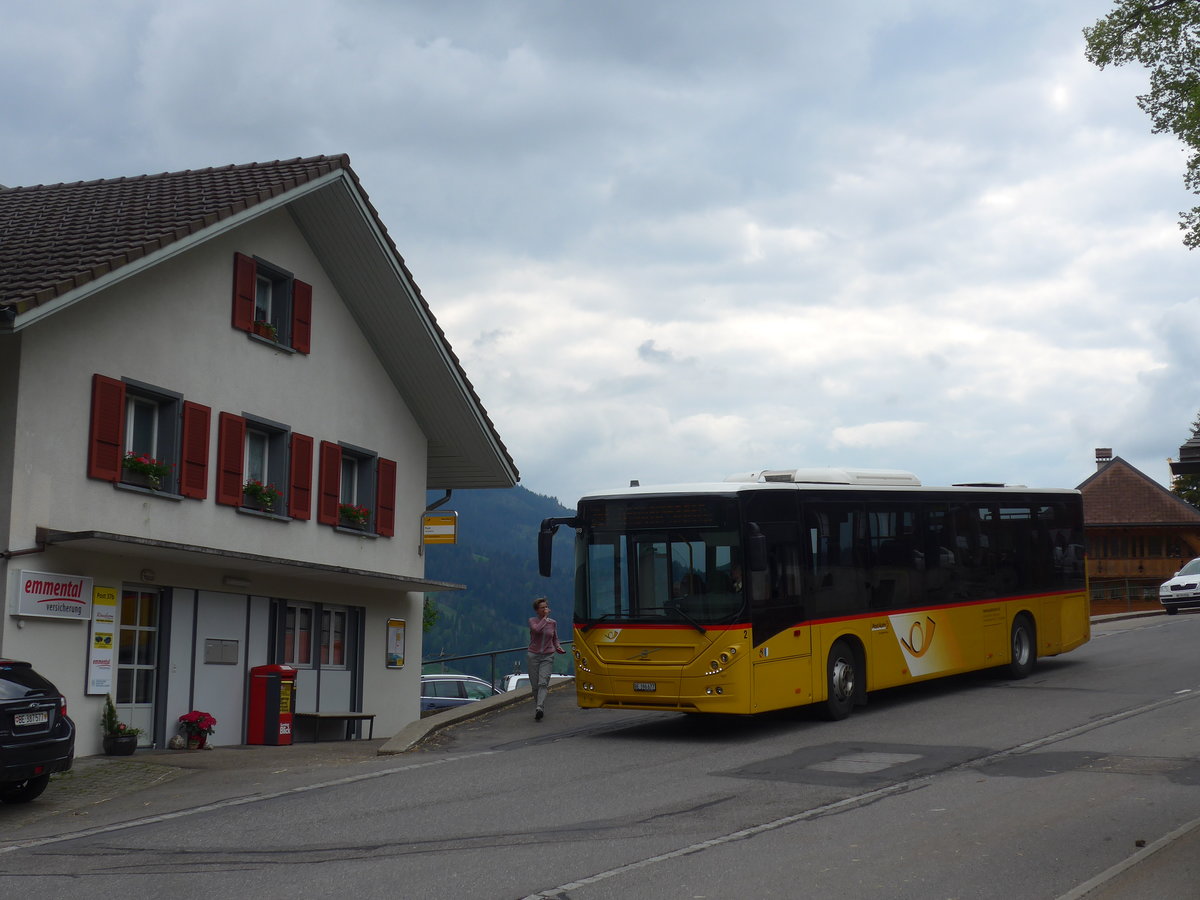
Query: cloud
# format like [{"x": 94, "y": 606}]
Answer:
[{"x": 676, "y": 240}]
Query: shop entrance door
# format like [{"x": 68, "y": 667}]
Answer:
[{"x": 137, "y": 656}]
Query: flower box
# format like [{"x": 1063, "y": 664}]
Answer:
[
  {"x": 352, "y": 516},
  {"x": 265, "y": 330},
  {"x": 256, "y": 495},
  {"x": 144, "y": 471}
]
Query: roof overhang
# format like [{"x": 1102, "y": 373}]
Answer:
[{"x": 237, "y": 564}]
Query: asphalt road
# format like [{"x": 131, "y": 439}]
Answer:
[{"x": 971, "y": 787}]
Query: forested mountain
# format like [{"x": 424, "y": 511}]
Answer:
[{"x": 496, "y": 558}]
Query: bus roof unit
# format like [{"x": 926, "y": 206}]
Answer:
[{"x": 891, "y": 477}]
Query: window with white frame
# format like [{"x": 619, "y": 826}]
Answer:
[
  {"x": 298, "y": 635},
  {"x": 152, "y": 419},
  {"x": 357, "y": 488},
  {"x": 270, "y": 303},
  {"x": 333, "y": 637}
]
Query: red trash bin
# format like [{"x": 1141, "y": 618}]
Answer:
[{"x": 272, "y": 703}]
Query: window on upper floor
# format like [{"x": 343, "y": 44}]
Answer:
[
  {"x": 270, "y": 303},
  {"x": 356, "y": 489},
  {"x": 146, "y": 436},
  {"x": 263, "y": 465}
]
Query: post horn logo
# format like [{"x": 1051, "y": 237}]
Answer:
[{"x": 919, "y": 640}]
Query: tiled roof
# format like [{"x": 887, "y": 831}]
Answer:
[
  {"x": 54, "y": 238},
  {"x": 1119, "y": 494}
]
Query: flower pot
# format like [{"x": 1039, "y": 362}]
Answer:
[
  {"x": 264, "y": 330},
  {"x": 141, "y": 479},
  {"x": 251, "y": 502},
  {"x": 120, "y": 744},
  {"x": 197, "y": 741},
  {"x": 348, "y": 522}
]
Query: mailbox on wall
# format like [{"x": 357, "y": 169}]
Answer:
[{"x": 272, "y": 703}]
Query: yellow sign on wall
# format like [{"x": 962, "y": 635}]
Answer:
[{"x": 440, "y": 528}]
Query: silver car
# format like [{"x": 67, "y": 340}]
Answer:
[{"x": 1183, "y": 590}]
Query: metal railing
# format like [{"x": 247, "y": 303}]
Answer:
[{"x": 493, "y": 656}]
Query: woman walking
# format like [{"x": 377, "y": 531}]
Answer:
[{"x": 543, "y": 644}]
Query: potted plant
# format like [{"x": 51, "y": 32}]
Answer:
[
  {"x": 144, "y": 470},
  {"x": 262, "y": 496},
  {"x": 119, "y": 738},
  {"x": 265, "y": 329},
  {"x": 353, "y": 516},
  {"x": 196, "y": 727}
]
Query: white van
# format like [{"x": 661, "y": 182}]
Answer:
[{"x": 521, "y": 681}]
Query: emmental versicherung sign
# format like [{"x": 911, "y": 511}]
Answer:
[{"x": 51, "y": 596}]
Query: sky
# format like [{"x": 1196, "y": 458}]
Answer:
[{"x": 672, "y": 240}]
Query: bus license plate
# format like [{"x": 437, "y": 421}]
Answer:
[
  {"x": 36, "y": 718},
  {"x": 645, "y": 686}
]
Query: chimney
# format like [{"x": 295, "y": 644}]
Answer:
[{"x": 1103, "y": 457}]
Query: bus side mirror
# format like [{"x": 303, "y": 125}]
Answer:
[
  {"x": 546, "y": 543},
  {"x": 756, "y": 549},
  {"x": 546, "y": 550}
]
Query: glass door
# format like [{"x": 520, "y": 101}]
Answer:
[{"x": 137, "y": 656}]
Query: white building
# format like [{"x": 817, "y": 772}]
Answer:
[{"x": 128, "y": 318}]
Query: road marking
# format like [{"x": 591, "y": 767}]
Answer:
[
  {"x": 233, "y": 801},
  {"x": 869, "y": 797}
]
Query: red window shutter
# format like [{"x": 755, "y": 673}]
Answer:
[
  {"x": 385, "y": 498},
  {"x": 193, "y": 475},
  {"x": 301, "y": 316},
  {"x": 231, "y": 442},
  {"x": 107, "y": 428},
  {"x": 244, "y": 272},
  {"x": 300, "y": 477},
  {"x": 329, "y": 483}
]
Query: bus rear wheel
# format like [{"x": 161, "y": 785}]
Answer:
[
  {"x": 842, "y": 681},
  {"x": 1024, "y": 647}
]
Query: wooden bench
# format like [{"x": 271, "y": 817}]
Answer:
[{"x": 344, "y": 716}]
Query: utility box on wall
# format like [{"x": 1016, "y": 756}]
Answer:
[{"x": 272, "y": 705}]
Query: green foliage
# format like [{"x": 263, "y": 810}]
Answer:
[
  {"x": 496, "y": 558},
  {"x": 111, "y": 724},
  {"x": 1187, "y": 488},
  {"x": 1163, "y": 36}
]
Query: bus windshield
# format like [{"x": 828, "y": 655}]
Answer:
[{"x": 633, "y": 566}]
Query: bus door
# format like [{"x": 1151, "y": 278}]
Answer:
[{"x": 782, "y": 639}]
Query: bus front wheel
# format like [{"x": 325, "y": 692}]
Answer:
[
  {"x": 1024, "y": 648},
  {"x": 842, "y": 678}
]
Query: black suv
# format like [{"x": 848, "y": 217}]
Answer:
[{"x": 36, "y": 737}]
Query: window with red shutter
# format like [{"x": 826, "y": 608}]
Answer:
[
  {"x": 193, "y": 470},
  {"x": 231, "y": 438},
  {"x": 300, "y": 480},
  {"x": 270, "y": 304},
  {"x": 385, "y": 503},
  {"x": 106, "y": 440},
  {"x": 135, "y": 437},
  {"x": 329, "y": 483}
]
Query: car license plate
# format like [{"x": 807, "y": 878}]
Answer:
[
  {"x": 645, "y": 686},
  {"x": 34, "y": 718}
]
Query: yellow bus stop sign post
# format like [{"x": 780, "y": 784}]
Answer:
[{"x": 439, "y": 528}]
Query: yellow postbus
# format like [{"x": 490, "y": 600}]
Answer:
[{"x": 814, "y": 586}]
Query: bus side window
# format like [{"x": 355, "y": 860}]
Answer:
[{"x": 837, "y": 540}]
